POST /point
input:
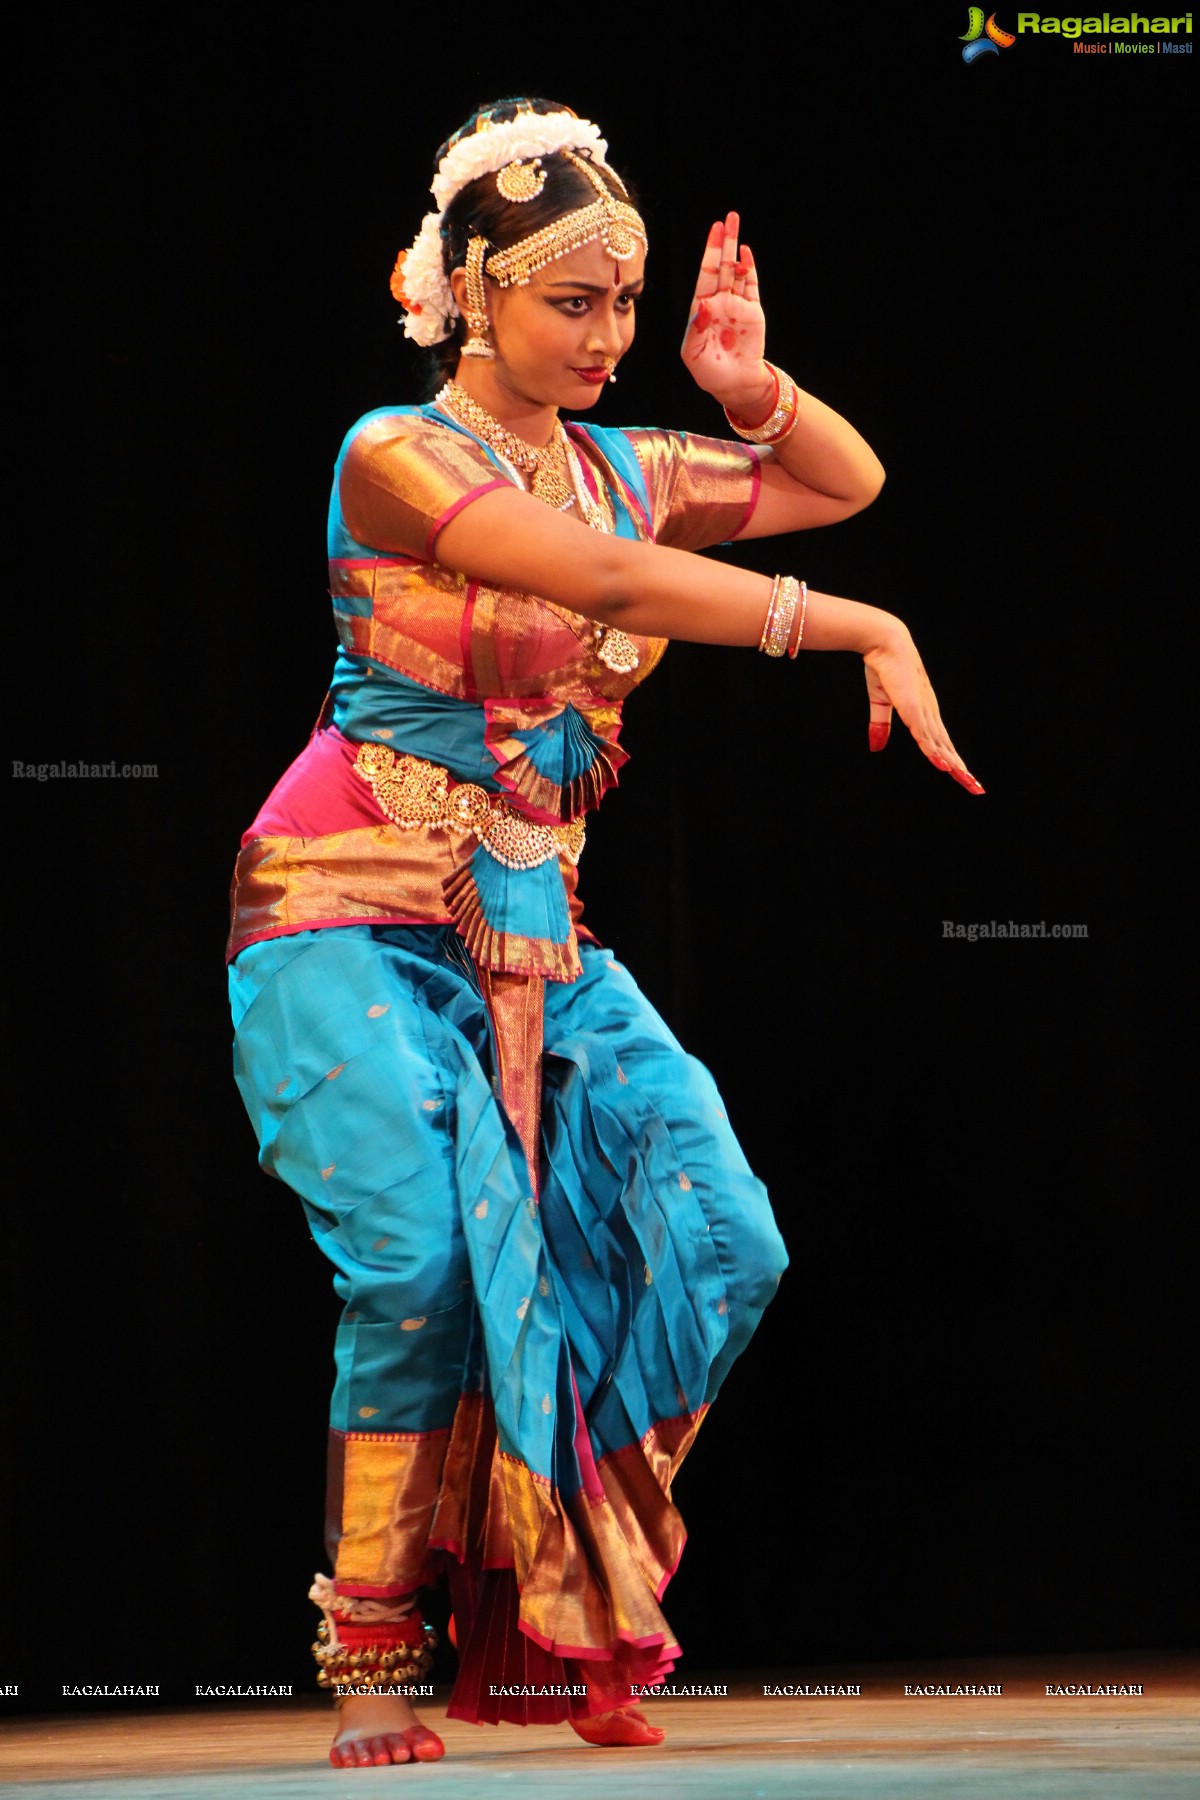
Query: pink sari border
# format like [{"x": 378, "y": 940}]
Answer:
[
  {"x": 755, "y": 490},
  {"x": 443, "y": 519},
  {"x": 373, "y": 562}
]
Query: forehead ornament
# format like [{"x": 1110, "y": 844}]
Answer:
[{"x": 617, "y": 224}]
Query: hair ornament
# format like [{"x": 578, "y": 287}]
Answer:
[
  {"x": 396, "y": 283},
  {"x": 419, "y": 280},
  {"x": 521, "y": 181},
  {"x": 429, "y": 304},
  {"x": 492, "y": 145}
]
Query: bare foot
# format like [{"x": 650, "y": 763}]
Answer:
[
  {"x": 374, "y": 1729},
  {"x": 628, "y": 1726}
]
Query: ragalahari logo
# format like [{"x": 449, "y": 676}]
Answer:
[{"x": 982, "y": 39}]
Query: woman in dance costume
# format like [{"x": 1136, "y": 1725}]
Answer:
[{"x": 548, "y": 1241}]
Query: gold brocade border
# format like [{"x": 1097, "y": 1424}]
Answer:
[
  {"x": 389, "y": 1489},
  {"x": 378, "y": 873},
  {"x": 373, "y": 872},
  {"x": 471, "y": 1520},
  {"x": 581, "y": 1582},
  {"x": 589, "y": 1570},
  {"x": 516, "y": 1005},
  {"x": 666, "y": 1444},
  {"x": 378, "y": 638}
]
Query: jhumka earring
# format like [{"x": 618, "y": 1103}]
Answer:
[{"x": 477, "y": 319}]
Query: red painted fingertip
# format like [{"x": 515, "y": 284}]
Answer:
[{"x": 878, "y": 735}]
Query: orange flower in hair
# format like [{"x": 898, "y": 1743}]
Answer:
[{"x": 397, "y": 285}]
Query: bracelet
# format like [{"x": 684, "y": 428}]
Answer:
[
  {"x": 784, "y": 416},
  {"x": 803, "y": 610},
  {"x": 785, "y": 597},
  {"x": 772, "y": 603}
]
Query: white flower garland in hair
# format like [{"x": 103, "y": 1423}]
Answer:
[
  {"x": 514, "y": 140},
  {"x": 426, "y": 286},
  {"x": 430, "y": 304}
]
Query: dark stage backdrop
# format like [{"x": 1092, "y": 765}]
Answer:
[{"x": 963, "y": 1425}]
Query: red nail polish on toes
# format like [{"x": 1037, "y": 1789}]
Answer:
[{"x": 425, "y": 1745}]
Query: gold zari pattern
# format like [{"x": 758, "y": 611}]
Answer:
[{"x": 410, "y": 793}]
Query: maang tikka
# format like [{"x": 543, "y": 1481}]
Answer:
[{"x": 477, "y": 319}]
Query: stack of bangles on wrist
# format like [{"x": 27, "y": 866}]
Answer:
[
  {"x": 787, "y": 594},
  {"x": 784, "y": 414}
]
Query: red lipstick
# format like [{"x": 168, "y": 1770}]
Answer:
[{"x": 594, "y": 376}]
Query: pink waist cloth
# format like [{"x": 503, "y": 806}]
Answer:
[{"x": 318, "y": 794}]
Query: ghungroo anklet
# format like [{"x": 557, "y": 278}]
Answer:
[{"x": 369, "y": 1646}]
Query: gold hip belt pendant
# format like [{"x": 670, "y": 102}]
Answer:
[{"x": 410, "y": 793}]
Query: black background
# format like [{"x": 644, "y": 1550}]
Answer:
[{"x": 962, "y": 1427}]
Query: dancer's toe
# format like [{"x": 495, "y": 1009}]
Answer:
[
  {"x": 423, "y": 1744},
  {"x": 373, "y": 1752},
  {"x": 626, "y": 1727}
]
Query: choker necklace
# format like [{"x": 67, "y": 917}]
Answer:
[{"x": 546, "y": 463}]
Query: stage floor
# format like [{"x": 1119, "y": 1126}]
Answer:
[{"x": 880, "y": 1745}]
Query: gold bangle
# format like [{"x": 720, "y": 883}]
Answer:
[
  {"x": 770, "y": 618},
  {"x": 803, "y": 614},
  {"x": 783, "y": 419},
  {"x": 781, "y": 625}
]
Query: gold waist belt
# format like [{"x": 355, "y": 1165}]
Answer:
[{"x": 410, "y": 792}]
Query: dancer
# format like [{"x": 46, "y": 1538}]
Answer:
[{"x": 548, "y": 1241}]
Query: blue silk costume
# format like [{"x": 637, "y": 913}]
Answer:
[{"x": 549, "y": 1244}]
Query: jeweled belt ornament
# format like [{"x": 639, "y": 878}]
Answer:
[{"x": 411, "y": 792}]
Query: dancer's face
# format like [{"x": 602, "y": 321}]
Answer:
[{"x": 558, "y": 338}]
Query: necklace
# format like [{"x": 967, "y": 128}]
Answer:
[
  {"x": 557, "y": 479},
  {"x": 594, "y": 512},
  {"x": 546, "y": 463},
  {"x": 614, "y": 648}
]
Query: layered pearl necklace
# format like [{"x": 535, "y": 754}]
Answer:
[{"x": 556, "y": 478}]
